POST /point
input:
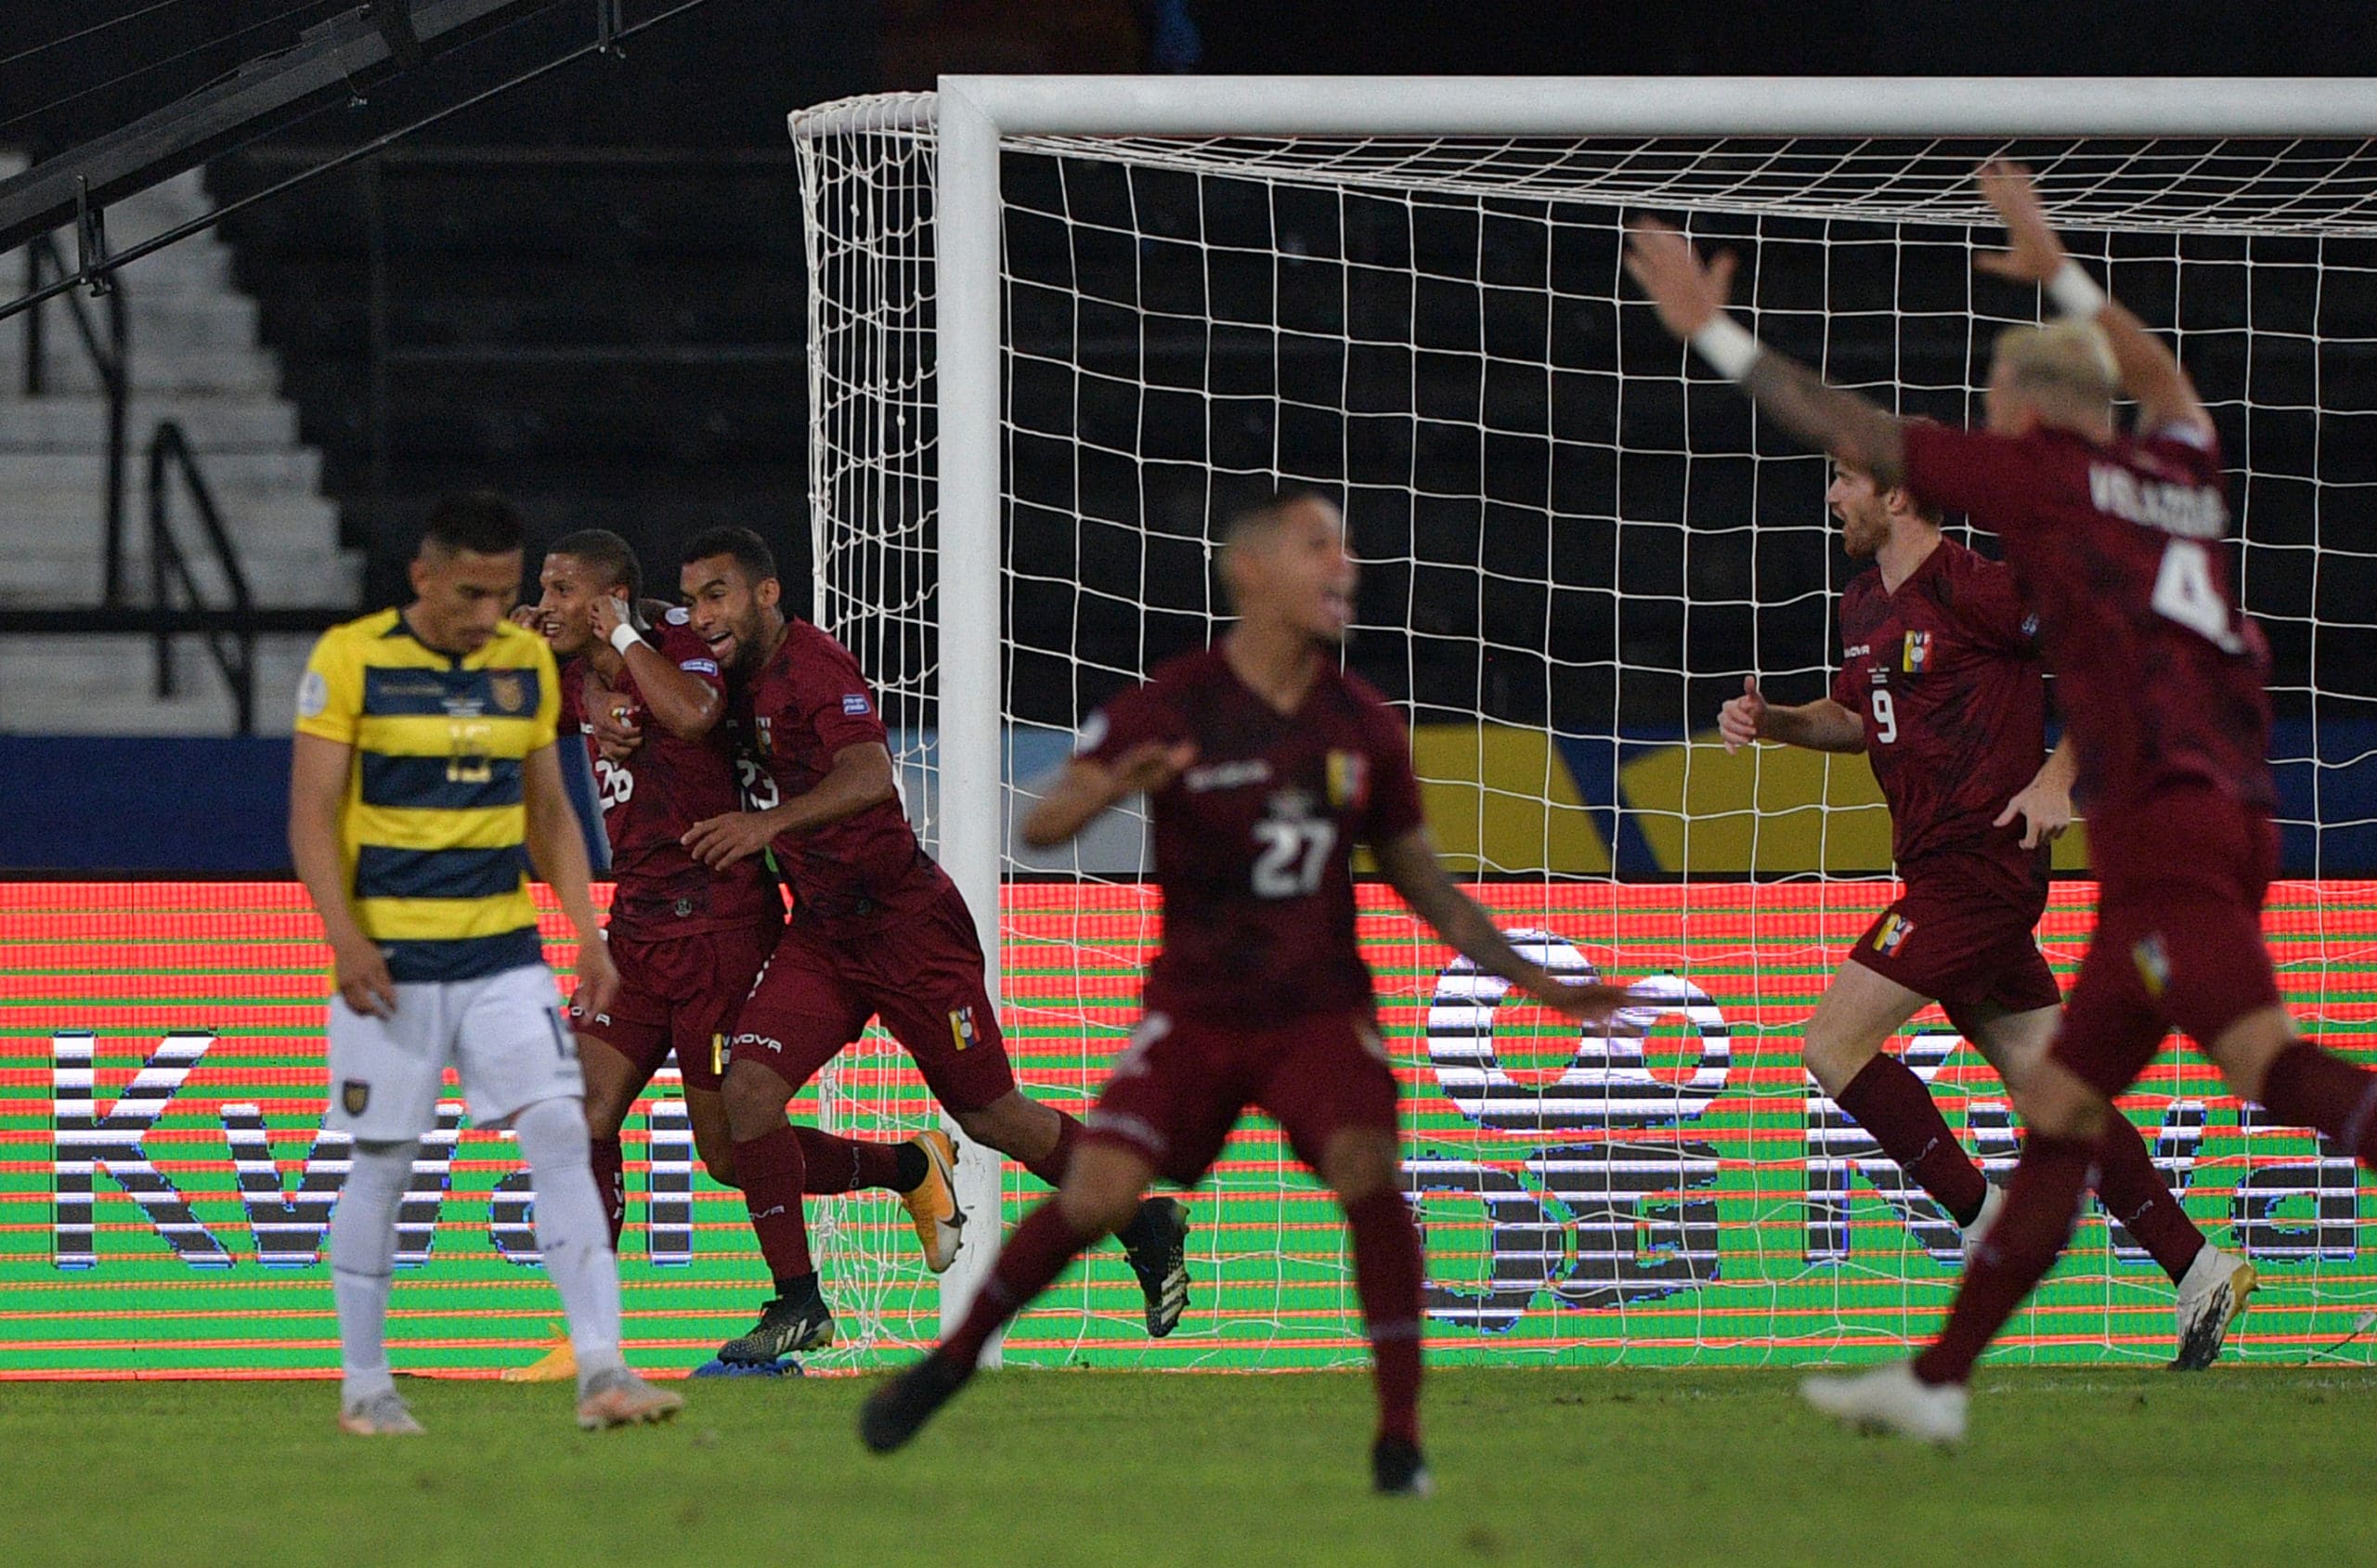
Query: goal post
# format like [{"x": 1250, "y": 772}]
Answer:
[{"x": 908, "y": 229}]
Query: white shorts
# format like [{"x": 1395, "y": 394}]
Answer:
[{"x": 504, "y": 1034}]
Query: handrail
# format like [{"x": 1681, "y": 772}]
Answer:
[
  {"x": 234, "y": 649},
  {"x": 112, "y": 362}
]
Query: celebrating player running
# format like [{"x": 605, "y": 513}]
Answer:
[
  {"x": 877, "y": 929},
  {"x": 1940, "y": 686},
  {"x": 688, "y": 941},
  {"x": 2114, "y": 540},
  {"x": 1265, "y": 763}
]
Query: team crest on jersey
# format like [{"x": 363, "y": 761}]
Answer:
[
  {"x": 354, "y": 1093},
  {"x": 1895, "y": 929},
  {"x": 1918, "y": 652},
  {"x": 961, "y": 1027},
  {"x": 1350, "y": 780},
  {"x": 2153, "y": 961},
  {"x": 506, "y": 691}
]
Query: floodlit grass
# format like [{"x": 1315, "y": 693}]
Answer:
[{"x": 1056, "y": 1468}]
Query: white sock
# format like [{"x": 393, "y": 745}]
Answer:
[
  {"x": 572, "y": 1230},
  {"x": 363, "y": 1255}
]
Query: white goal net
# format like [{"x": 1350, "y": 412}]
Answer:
[{"x": 1575, "y": 544}]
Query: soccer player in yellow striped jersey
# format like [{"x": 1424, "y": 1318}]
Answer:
[{"x": 423, "y": 783}]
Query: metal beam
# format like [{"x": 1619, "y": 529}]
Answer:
[{"x": 327, "y": 63}]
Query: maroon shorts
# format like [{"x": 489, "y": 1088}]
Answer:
[
  {"x": 2178, "y": 943},
  {"x": 919, "y": 971},
  {"x": 1181, "y": 1086},
  {"x": 1968, "y": 946},
  {"x": 680, "y": 993}
]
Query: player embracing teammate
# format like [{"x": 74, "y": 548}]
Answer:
[
  {"x": 1264, "y": 763},
  {"x": 2115, "y": 541}
]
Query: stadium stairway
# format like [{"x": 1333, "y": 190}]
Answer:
[{"x": 195, "y": 359}]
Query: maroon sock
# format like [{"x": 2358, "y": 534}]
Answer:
[
  {"x": 2308, "y": 1087},
  {"x": 771, "y": 1171},
  {"x": 1050, "y": 1167},
  {"x": 610, "y": 1183},
  {"x": 1389, "y": 1274},
  {"x": 846, "y": 1164},
  {"x": 2135, "y": 1194},
  {"x": 1041, "y": 1248},
  {"x": 2022, "y": 1246},
  {"x": 1888, "y": 1101}
]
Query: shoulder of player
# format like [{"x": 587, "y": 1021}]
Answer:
[
  {"x": 674, "y": 635},
  {"x": 358, "y": 634},
  {"x": 1368, "y": 702},
  {"x": 516, "y": 647}
]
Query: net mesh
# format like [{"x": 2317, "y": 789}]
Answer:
[{"x": 1574, "y": 546}]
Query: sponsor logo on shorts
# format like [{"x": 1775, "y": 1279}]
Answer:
[
  {"x": 961, "y": 1025},
  {"x": 776, "y": 1045},
  {"x": 354, "y": 1093},
  {"x": 1892, "y": 934},
  {"x": 1918, "y": 652},
  {"x": 2153, "y": 961}
]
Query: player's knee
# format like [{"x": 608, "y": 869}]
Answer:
[
  {"x": 1834, "y": 1055},
  {"x": 2245, "y": 1049},
  {"x": 1362, "y": 1162},
  {"x": 553, "y": 1135},
  {"x": 1102, "y": 1188},
  {"x": 2060, "y": 1105},
  {"x": 755, "y": 1101},
  {"x": 718, "y": 1158}
]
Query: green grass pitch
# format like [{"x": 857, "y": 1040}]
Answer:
[{"x": 1045, "y": 1469}]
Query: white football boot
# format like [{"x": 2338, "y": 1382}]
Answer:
[{"x": 1891, "y": 1399}]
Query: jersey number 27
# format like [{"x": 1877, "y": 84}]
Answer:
[{"x": 1296, "y": 851}]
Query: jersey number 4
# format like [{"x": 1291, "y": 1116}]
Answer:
[
  {"x": 2183, "y": 593},
  {"x": 1293, "y": 855}
]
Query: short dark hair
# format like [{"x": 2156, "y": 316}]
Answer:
[
  {"x": 607, "y": 553},
  {"x": 748, "y": 549},
  {"x": 480, "y": 522}
]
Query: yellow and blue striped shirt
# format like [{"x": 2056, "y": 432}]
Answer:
[{"x": 435, "y": 829}]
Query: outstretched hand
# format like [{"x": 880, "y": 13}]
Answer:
[
  {"x": 2034, "y": 253},
  {"x": 2046, "y": 811},
  {"x": 1742, "y": 720},
  {"x": 1688, "y": 292},
  {"x": 1150, "y": 767},
  {"x": 1594, "y": 1004}
]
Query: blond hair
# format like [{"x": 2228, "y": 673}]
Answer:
[{"x": 2067, "y": 361}]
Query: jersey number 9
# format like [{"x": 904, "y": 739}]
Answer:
[{"x": 1885, "y": 716}]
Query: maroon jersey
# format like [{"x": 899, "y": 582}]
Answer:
[
  {"x": 651, "y": 799},
  {"x": 807, "y": 703},
  {"x": 1255, "y": 841},
  {"x": 2118, "y": 547},
  {"x": 1945, "y": 674}
]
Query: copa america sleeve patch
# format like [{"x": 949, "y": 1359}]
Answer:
[
  {"x": 678, "y": 615},
  {"x": 698, "y": 666},
  {"x": 855, "y": 705},
  {"x": 313, "y": 694},
  {"x": 1093, "y": 733}
]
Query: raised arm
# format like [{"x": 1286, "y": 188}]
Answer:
[
  {"x": 1690, "y": 295},
  {"x": 2044, "y": 804},
  {"x": 686, "y": 705},
  {"x": 1822, "y": 725},
  {"x": 1410, "y": 864},
  {"x": 861, "y": 776},
  {"x": 2034, "y": 254}
]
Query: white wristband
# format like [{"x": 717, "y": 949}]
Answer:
[
  {"x": 625, "y": 636},
  {"x": 1727, "y": 345},
  {"x": 2075, "y": 293}
]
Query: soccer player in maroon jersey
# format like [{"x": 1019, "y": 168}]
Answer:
[
  {"x": 2113, "y": 539},
  {"x": 1264, "y": 762},
  {"x": 878, "y": 930},
  {"x": 688, "y": 939},
  {"x": 1941, "y": 688}
]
